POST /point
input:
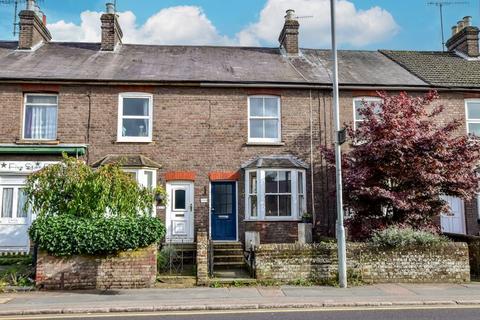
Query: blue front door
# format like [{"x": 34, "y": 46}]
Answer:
[{"x": 224, "y": 211}]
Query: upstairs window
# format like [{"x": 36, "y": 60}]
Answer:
[
  {"x": 473, "y": 117},
  {"x": 264, "y": 119},
  {"x": 135, "y": 117},
  {"x": 40, "y": 117},
  {"x": 361, "y": 102}
]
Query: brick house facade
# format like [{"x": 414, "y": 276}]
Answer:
[{"x": 198, "y": 122}]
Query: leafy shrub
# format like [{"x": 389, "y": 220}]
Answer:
[
  {"x": 66, "y": 235},
  {"x": 396, "y": 236},
  {"x": 73, "y": 188},
  {"x": 86, "y": 211}
]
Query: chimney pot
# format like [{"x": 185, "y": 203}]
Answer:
[
  {"x": 110, "y": 8},
  {"x": 467, "y": 21},
  {"x": 454, "y": 30},
  {"x": 290, "y": 15},
  {"x": 31, "y": 5},
  {"x": 459, "y": 25}
]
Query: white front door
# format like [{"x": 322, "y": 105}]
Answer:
[
  {"x": 179, "y": 212},
  {"x": 454, "y": 222},
  {"x": 14, "y": 219}
]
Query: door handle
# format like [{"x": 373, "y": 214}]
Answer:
[{"x": 191, "y": 207}]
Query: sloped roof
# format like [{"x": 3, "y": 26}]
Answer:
[
  {"x": 439, "y": 69},
  {"x": 133, "y": 161},
  {"x": 153, "y": 63},
  {"x": 275, "y": 161}
]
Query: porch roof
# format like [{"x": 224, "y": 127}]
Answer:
[
  {"x": 127, "y": 160},
  {"x": 275, "y": 161}
]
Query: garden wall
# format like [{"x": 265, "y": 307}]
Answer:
[
  {"x": 473, "y": 251},
  {"x": 318, "y": 263},
  {"x": 129, "y": 269}
]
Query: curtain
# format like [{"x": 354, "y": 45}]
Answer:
[
  {"x": 7, "y": 203},
  {"x": 41, "y": 122},
  {"x": 22, "y": 200}
]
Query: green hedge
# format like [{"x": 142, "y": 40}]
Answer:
[
  {"x": 398, "y": 236},
  {"x": 66, "y": 235}
]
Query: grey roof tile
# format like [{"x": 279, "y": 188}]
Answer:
[
  {"x": 127, "y": 160},
  {"x": 153, "y": 63},
  {"x": 275, "y": 161},
  {"x": 440, "y": 69}
]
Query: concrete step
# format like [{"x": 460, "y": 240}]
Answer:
[
  {"x": 227, "y": 245},
  {"x": 229, "y": 263},
  {"x": 229, "y": 259},
  {"x": 233, "y": 249}
]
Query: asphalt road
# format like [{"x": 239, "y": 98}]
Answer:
[{"x": 369, "y": 314}]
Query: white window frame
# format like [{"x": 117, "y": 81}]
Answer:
[
  {"x": 362, "y": 99},
  {"x": 467, "y": 119},
  {"x": 141, "y": 176},
  {"x": 25, "y": 104},
  {"x": 142, "y": 180},
  {"x": 16, "y": 185},
  {"x": 261, "y": 216},
  {"x": 121, "y": 96},
  {"x": 278, "y": 139}
]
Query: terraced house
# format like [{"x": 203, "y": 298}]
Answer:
[{"x": 232, "y": 132}]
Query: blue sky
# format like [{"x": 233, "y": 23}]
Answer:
[{"x": 395, "y": 24}]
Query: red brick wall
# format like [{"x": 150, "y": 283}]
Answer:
[
  {"x": 131, "y": 269},
  {"x": 201, "y": 130}
]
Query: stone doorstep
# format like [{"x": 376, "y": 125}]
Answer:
[{"x": 242, "y": 306}]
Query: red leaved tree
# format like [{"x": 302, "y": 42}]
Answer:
[{"x": 402, "y": 159}]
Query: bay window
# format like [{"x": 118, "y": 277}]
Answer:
[
  {"x": 135, "y": 117},
  {"x": 275, "y": 194},
  {"x": 264, "y": 120},
  {"x": 145, "y": 177},
  {"x": 40, "y": 117},
  {"x": 13, "y": 203}
]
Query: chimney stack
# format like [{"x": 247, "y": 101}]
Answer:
[
  {"x": 33, "y": 29},
  {"x": 289, "y": 36},
  {"x": 111, "y": 31},
  {"x": 464, "y": 38}
]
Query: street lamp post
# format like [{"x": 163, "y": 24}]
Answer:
[{"x": 342, "y": 255}]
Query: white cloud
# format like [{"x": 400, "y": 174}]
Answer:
[
  {"x": 190, "y": 25},
  {"x": 88, "y": 30},
  {"x": 174, "y": 25},
  {"x": 355, "y": 27}
]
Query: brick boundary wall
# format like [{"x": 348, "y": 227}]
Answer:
[
  {"x": 318, "y": 262},
  {"x": 473, "y": 251},
  {"x": 126, "y": 270},
  {"x": 202, "y": 258}
]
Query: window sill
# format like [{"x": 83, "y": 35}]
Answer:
[
  {"x": 133, "y": 142},
  {"x": 273, "y": 220},
  {"x": 272, "y": 144},
  {"x": 33, "y": 142}
]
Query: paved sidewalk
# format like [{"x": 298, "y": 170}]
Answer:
[{"x": 237, "y": 298}]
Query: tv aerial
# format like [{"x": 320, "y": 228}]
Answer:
[
  {"x": 16, "y": 4},
  {"x": 440, "y": 5}
]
